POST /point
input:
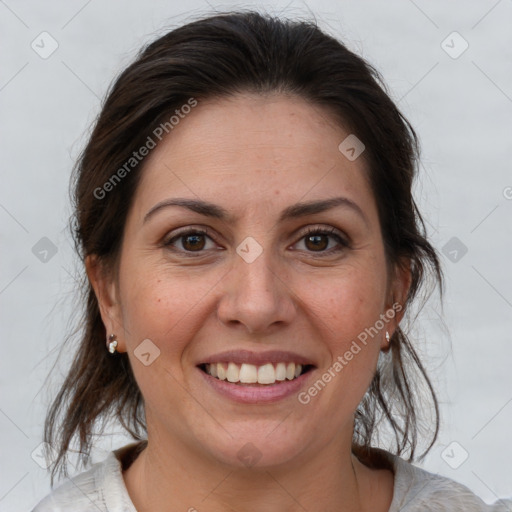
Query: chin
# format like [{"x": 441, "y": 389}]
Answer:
[{"x": 256, "y": 450}]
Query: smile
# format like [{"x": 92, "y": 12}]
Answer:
[{"x": 246, "y": 373}]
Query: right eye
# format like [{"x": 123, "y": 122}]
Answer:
[{"x": 189, "y": 241}]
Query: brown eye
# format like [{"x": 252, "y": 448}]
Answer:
[
  {"x": 317, "y": 242},
  {"x": 193, "y": 242},
  {"x": 323, "y": 241}
]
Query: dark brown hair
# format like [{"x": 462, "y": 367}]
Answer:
[{"x": 214, "y": 57}]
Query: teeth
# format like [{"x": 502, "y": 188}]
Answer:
[
  {"x": 221, "y": 371},
  {"x": 248, "y": 373},
  {"x": 251, "y": 374},
  {"x": 280, "y": 371},
  {"x": 233, "y": 373},
  {"x": 266, "y": 374}
]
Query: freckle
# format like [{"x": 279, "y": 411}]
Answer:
[{"x": 276, "y": 192}]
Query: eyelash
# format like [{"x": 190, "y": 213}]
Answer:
[{"x": 331, "y": 232}]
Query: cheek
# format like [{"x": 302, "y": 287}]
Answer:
[
  {"x": 164, "y": 306},
  {"x": 168, "y": 313},
  {"x": 344, "y": 310},
  {"x": 347, "y": 304}
]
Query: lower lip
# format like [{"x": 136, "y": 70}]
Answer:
[{"x": 266, "y": 393}]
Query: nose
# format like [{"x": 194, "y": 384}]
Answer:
[{"x": 256, "y": 296}]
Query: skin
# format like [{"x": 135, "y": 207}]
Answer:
[{"x": 254, "y": 156}]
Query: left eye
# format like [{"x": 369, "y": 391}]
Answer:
[{"x": 318, "y": 240}]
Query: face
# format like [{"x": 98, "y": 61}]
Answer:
[{"x": 273, "y": 256}]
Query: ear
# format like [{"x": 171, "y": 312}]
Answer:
[
  {"x": 397, "y": 296},
  {"x": 106, "y": 292}
]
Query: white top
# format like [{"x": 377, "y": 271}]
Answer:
[{"x": 102, "y": 488}]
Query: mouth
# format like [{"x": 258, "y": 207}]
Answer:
[{"x": 252, "y": 375}]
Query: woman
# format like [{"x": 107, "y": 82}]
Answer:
[{"x": 245, "y": 218}]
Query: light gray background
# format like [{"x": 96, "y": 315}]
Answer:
[{"x": 461, "y": 108}]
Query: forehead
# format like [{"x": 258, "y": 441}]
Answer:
[{"x": 250, "y": 150}]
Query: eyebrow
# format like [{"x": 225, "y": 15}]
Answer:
[{"x": 294, "y": 211}]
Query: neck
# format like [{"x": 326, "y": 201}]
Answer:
[{"x": 171, "y": 476}]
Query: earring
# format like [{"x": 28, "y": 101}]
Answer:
[
  {"x": 388, "y": 337},
  {"x": 112, "y": 343}
]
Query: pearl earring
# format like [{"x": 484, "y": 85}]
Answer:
[
  {"x": 388, "y": 337},
  {"x": 112, "y": 343}
]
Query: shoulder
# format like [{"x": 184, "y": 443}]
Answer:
[
  {"x": 100, "y": 488},
  {"x": 416, "y": 489}
]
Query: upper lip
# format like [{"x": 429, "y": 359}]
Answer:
[{"x": 257, "y": 358}]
